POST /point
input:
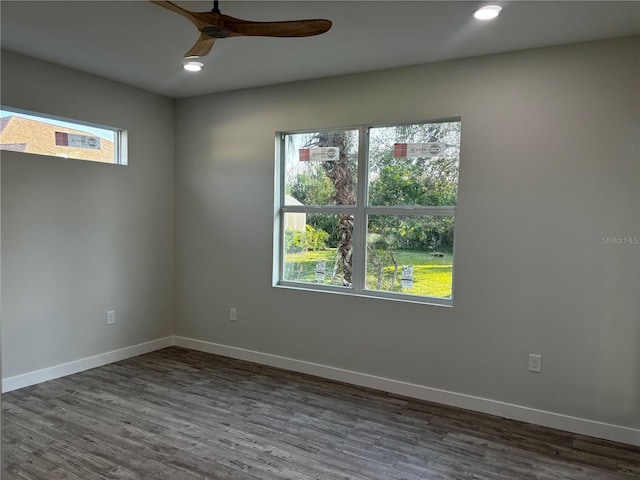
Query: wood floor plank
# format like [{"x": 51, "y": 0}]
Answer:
[{"x": 183, "y": 415}]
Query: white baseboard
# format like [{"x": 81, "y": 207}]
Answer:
[
  {"x": 493, "y": 407},
  {"x": 57, "y": 371}
]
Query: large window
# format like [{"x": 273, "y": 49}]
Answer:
[
  {"x": 369, "y": 210},
  {"x": 40, "y": 134}
]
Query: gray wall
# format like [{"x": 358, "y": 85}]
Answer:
[
  {"x": 80, "y": 238},
  {"x": 549, "y": 167}
]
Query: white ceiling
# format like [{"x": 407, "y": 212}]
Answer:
[{"x": 141, "y": 44}]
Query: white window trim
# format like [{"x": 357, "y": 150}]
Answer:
[
  {"x": 360, "y": 212},
  {"x": 120, "y": 142}
]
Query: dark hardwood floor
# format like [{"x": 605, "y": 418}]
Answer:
[{"x": 183, "y": 415}]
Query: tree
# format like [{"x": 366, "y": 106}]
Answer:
[
  {"x": 311, "y": 186},
  {"x": 414, "y": 181},
  {"x": 339, "y": 172},
  {"x": 380, "y": 253}
]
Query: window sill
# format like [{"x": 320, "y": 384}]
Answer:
[{"x": 437, "y": 302}]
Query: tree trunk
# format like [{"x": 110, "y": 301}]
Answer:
[
  {"x": 395, "y": 271},
  {"x": 340, "y": 175}
]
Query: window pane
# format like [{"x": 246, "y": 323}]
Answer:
[
  {"x": 317, "y": 248},
  {"x": 410, "y": 254},
  {"x": 44, "y": 135},
  {"x": 321, "y": 167},
  {"x": 414, "y": 164}
]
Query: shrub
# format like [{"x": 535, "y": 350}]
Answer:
[{"x": 296, "y": 241}]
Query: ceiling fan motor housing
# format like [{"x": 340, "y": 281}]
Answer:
[{"x": 215, "y": 32}]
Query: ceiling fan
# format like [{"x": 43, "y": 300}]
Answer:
[{"x": 213, "y": 25}]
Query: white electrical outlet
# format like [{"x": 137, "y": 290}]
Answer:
[
  {"x": 535, "y": 363},
  {"x": 233, "y": 314},
  {"x": 111, "y": 317}
]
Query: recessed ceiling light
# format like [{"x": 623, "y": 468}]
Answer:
[
  {"x": 193, "y": 66},
  {"x": 487, "y": 12}
]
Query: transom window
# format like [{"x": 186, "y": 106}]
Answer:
[
  {"x": 40, "y": 134},
  {"x": 369, "y": 210}
]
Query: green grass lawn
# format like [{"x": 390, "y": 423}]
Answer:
[{"x": 432, "y": 276}]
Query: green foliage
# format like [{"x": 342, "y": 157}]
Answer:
[
  {"x": 311, "y": 239},
  {"x": 312, "y": 187},
  {"x": 293, "y": 241},
  {"x": 328, "y": 224},
  {"x": 413, "y": 181},
  {"x": 432, "y": 276},
  {"x": 315, "y": 239},
  {"x": 431, "y": 233},
  {"x": 426, "y": 182}
]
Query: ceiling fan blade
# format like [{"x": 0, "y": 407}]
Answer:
[
  {"x": 199, "y": 19},
  {"x": 213, "y": 25},
  {"x": 291, "y": 28},
  {"x": 201, "y": 48}
]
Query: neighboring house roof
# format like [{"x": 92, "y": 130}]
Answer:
[
  {"x": 289, "y": 200},
  {"x": 31, "y": 136}
]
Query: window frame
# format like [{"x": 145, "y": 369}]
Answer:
[
  {"x": 361, "y": 212},
  {"x": 120, "y": 140}
]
